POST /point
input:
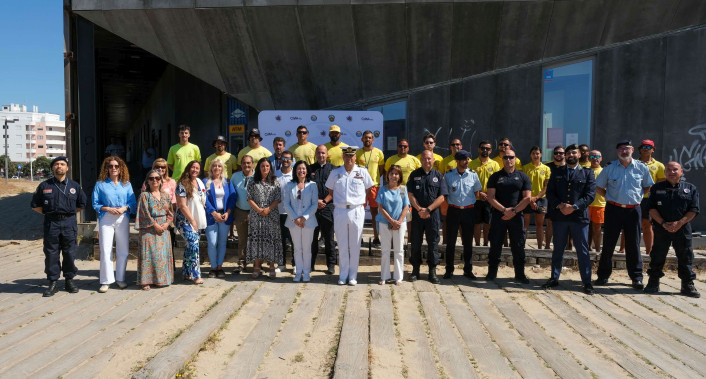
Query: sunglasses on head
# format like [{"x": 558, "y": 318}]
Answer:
[
  {"x": 594, "y": 156},
  {"x": 509, "y": 157}
]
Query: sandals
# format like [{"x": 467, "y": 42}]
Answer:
[{"x": 145, "y": 288}]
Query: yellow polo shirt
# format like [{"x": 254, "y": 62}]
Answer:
[
  {"x": 408, "y": 164},
  {"x": 538, "y": 175},
  {"x": 656, "y": 171},
  {"x": 437, "y": 161},
  {"x": 447, "y": 164},
  {"x": 371, "y": 160},
  {"x": 499, "y": 161},
  {"x": 335, "y": 154},
  {"x": 484, "y": 170},
  {"x": 256, "y": 154},
  {"x": 599, "y": 200},
  {"x": 306, "y": 153},
  {"x": 229, "y": 163}
]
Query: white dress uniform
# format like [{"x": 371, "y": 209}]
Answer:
[{"x": 349, "y": 189}]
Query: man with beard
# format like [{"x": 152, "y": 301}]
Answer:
[
  {"x": 283, "y": 177},
  {"x": 596, "y": 210},
  {"x": 448, "y": 164},
  {"x": 373, "y": 160},
  {"x": 254, "y": 149},
  {"x": 229, "y": 162},
  {"x": 319, "y": 173},
  {"x": 673, "y": 204},
  {"x": 503, "y": 145},
  {"x": 335, "y": 155},
  {"x": 484, "y": 168},
  {"x": 623, "y": 183},
  {"x": 585, "y": 152},
  {"x": 276, "y": 158},
  {"x": 509, "y": 192},
  {"x": 557, "y": 161},
  {"x": 569, "y": 191},
  {"x": 303, "y": 150}
]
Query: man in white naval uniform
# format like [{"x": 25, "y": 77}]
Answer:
[{"x": 348, "y": 187}]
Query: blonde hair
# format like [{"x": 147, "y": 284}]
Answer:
[
  {"x": 161, "y": 162},
  {"x": 211, "y": 178}
]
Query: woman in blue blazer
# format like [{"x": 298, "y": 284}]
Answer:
[
  {"x": 301, "y": 198},
  {"x": 220, "y": 201}
]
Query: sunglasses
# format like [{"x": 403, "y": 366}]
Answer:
[
  {"x": 286, "y": 159},
  {"x": 113, "y": 166},
  {"x": 594, "y": 156},
  {"x": 154, "y": 178},
  {"x": 485, "y": 149},
  {"x": 302, "y": 132},
  {"x": 646, "y": 147},
  {"x": 403, "y": 146},
  {"x": 509, "y": 157},
  {"x": 455, "y": 144},
  {"x": 160, "y": 167},
  {"x": 299, "y": 194},
  {"x": 503, "y": 144},
  {"x": 559, "y": 153},
  {"x": 429, "y": 142}
]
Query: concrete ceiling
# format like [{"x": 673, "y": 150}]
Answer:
[{"x": 311, "y": 54}]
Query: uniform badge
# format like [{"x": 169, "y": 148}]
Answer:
[
  {"x": 686, "y": 190},
  {"x": 418, "y": 178},
  {"x": 339, "y": 176},
  {"x": 490, "y": 169},
  {"x": 659, "y": 203},
  {"x": 453, "y": 189},
  {"x": 501, "y": 180},
  {"x": 417, "y": 187},
  {"x": 435, "y": 180},
  {"x": 653, "y": 168},
  {"x": 72, "y": 191},
  {"x": 46, "y": 201},
  {"x": 48, "y": 190}
]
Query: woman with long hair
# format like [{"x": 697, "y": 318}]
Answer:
[
  {"x": 168, "y": 184},
  {"x": 191, "y": 218},
  {"x": 113, "y": 200},
  {"x": 301, "y": 199},
  {"x": 393, "y": 207},
  {"x": 264, "y": 235},
  {"x": 220, "y": 201},
  {"x": 154, "y": 214}
]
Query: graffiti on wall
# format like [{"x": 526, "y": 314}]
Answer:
[
  {"x": 692, "y": 156},
  {"x": 467, "y": 127}
]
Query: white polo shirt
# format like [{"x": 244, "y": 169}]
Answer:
[{"x": 349, "y": 188}]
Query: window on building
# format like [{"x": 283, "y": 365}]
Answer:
[
  {"x": 40, "y": 137},
  {"x": 40, "y": 146},
  {"x": 394, "y": 124},
  {"x": 49, "y": 129},
  {"x": 567, "y": 96}
]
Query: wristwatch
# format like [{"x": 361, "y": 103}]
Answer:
[{"x": 576, "y": 207}]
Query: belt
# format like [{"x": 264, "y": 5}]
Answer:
[
  {"x": 58, "y": 217},
  {"x": 622, "y": 205},
  {"x": 348, "y": 206},
  {"x": 463, "y": 207}
]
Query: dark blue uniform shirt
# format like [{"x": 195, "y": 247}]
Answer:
[
  {"x": 426, "y": 187},
  {"x": 509, "y": 187},
  {"x": 319, "y": 174},
  {"x": 674, "y": 201},
  {"x": 571, "y": 186},
  {"x": 59, "y": 198}
]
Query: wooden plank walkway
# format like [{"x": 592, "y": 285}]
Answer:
[{"x": 238, "y": 327}]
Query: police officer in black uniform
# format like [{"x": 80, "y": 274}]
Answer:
[
  {"x": 319, "y": 172},
  {"x": 673, "y": 204},
  {"x": 426, "y": 188},
  {"x": 58, "y": 199},
  {"x": 509, "y": 192}
]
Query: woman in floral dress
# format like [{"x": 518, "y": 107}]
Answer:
[
  {"x": 264, "y": 238},
  {"x": 154, "y": 214},
  {"x": 191, "y": 218}
]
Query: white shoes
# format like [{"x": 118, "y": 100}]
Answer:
[
  {"x": 104, "y": 288},
  {"x": 341, "y": 282},
  {"x": 352, "y": 282},
  {"x": 121, "y": 285}
]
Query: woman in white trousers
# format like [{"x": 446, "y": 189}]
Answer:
[
  {"x": 301, "y": 199},
  {"x": 113, "y": 200},
  {"x": 393, "y": 205}
]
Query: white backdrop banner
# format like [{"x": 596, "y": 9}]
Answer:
[{"x": 353, "y": 123}]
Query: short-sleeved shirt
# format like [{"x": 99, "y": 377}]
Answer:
[
  {"x": 437, "y": 161},
  {"x": 256, "y": 154},
  {"x": 371, "y": 160},
  {"x": 407, "y": 164},
  {"x": 306, "y": 153},
  {"x": 179, "y": 156},
  {"x": 426, "y": 186},
  {"x": 538, "y": 176},
  {"x": 349, "y": 187},
  {"x": 586, "y": 164},
  {"x": 624, "y": 184},
  {"x": 656, "y": 171},
  {"x": 229, "y": 163},
  {"x": 59, "y": 198},
  {"x": 462, "y": 187},
  {"x": 518, "y": 162},
  {"x": 240, "y": 183},
  {"x": 509, "y": 187},
  {"x": 484, "y": 171},
  {"x": 335, "y": 154},
  {"x": 599, "y": 200},
  {"x": 674, "y": 201},
  {"x": 393, "y": 201},
  {"x": 447, "y": 164}
]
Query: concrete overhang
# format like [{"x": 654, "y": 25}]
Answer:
[{"x": 311, "y": 54}]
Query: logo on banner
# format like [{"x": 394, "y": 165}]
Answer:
[
  {"x": 376, "y": 133},
  {"x": 358, "y": 133},
  {"x": 323, "y": 133},
  {"x": 331, "y": 117},
  {"x": 366, "y": 119},
  {"x": 288, "y": 133},
  {"x": 278, "y": 118},
  {"x": 349, "y": 118},
  {"x": 314, "y": 118}
]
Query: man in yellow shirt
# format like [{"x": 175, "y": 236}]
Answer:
[
  {"x": 484, "y": 167},
  {"x": 254, "y": 149},
  {"x": 335, "y": 154},
  {"x": 447, "y": 164},
  {"x": 429, "y": 143},
  {"x": 539, "y": 175},
  {"x": 596, "y": 210},
  {"x": 229, "y": 161},
  {"x": 505, "y": 144},
  {"x": 182, "y": 153},
  {"x": 585, "y": 152},
  {"x": 303, "y": 150},
  {"x": 406, "y": 162},
  {"x": 373, "y": 160},
  {"x": 647, "y": 148}
]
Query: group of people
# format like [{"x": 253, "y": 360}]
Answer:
[{"x": 297, "y": 193}]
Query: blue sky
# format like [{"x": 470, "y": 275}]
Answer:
[{"x": 32, "y": 54}]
